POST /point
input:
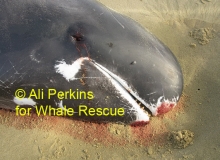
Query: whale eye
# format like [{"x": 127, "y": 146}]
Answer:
[{"x": 78, "y": 37}]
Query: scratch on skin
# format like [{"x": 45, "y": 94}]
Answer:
[{"x": 117, "y": 21}]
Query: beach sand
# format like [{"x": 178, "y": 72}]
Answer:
[{"x": 191, "y": 29}]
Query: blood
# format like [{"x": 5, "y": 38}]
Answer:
[
  {"x": 165, "y": 107},
  {"x": 139, "y": 123},
  {"x": 80, "y": 42}
]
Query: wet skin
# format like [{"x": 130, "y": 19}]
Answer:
[{"x": 36, "y": 38}]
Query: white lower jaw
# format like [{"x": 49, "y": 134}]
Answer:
[{"x": 140, "y": 114}]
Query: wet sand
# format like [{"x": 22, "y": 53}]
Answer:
[{"x": 191, "y": 29}]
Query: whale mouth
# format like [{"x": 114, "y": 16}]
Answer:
[
  {"x": 122, "y": 83},
  {"x": 123, "y": 89},
  {"x": 139, "y": 106},
  {"x": 161, "y": 106}
]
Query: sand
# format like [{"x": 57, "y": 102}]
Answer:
[{"x": 191, "y": 29}]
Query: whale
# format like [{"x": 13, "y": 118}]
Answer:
[{"x": 82, "y": 60}]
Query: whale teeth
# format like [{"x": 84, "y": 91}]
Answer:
[{"x": 143, "y": 107}]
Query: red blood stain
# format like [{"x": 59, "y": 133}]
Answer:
[
  {"x": 139, "y": 123},
  {"x": 165, "y": 107},
  {"x": 155, "y": 132},
  {"x": 79, "y": 43}
]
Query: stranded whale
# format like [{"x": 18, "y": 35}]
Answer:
[{"x": 83, "y": 59}]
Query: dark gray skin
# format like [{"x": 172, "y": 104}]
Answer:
[{"x": 34, "y": 35}]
